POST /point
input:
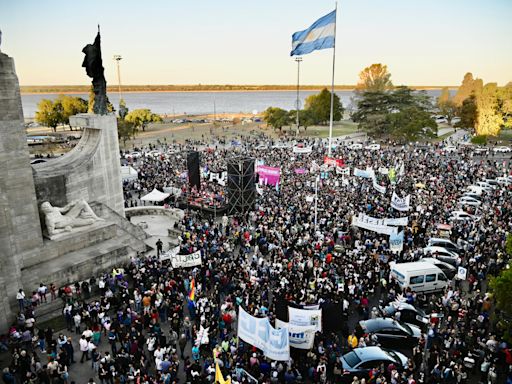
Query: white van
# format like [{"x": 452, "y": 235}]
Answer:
[{"x": 420, "y": 276}]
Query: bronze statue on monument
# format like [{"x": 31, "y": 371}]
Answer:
[{"x": 93, "y": 65}]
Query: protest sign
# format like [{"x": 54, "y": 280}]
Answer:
[
  {"x": 400, "y": 204},
  {"x": 304, "y": 150},
  {"x": 306, "y": 317},
  {"x": 462, "y": 273},
  {"x": 367, "y": 174},
  {"x": 300, "y": 337},
  {"x": 333, "y": 162},
  {"x": 186, "y": 261},
  {"x": 396, "y": 242},
  {"x": 258, "y": 332},
  {"x": 372, "y": 224},
  {"x": 270, "y": 175}
]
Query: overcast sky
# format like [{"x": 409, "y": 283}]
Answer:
[{"x": 423, "y": 42}]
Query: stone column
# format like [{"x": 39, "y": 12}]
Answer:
[{"x": 20, "y": 231}]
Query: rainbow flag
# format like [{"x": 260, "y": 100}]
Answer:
[{"x": 192, "y": 292}]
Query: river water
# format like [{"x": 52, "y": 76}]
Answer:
[{"x": 193, "y": 103}]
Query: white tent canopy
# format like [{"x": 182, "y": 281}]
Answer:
[
  {"x": 155, "y": 195},
  {"x": 128, "y": 173}
]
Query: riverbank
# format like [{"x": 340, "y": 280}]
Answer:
[{"x": 85, "y": 89}]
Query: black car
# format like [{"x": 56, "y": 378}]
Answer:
[
  {"x": 391, "y": 332},
  {"x": 360, "y": 361},
  {"x": 406, "y": 313}
]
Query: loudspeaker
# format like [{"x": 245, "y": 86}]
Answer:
[
  {"x": 241, "y": 185},
  {"x": 194, "y": 176}
]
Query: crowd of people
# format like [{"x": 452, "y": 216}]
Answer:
[{"x": 176, "y": 325}]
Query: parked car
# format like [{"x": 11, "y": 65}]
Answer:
[
  {"x": 485, "y": 185},
  {"x": 475, "y": 189},
  {"x": 449, "y": 270},
  {"x": 473, "y": 195},
  {"x": 502, "y": 149},
  {"x": 360, "y": 361},
  {"x": 503, "y": 180},
  {"x": 481, "y": 150},
  {"x": 406, "y": 313},
  {"x": 442, "y": 254},
  {"x": 391, "y": 332},
  {"x": 450, "y": 148},
  {"x": 466, "y": 200},
  {"x": 445, "y": 243},
  {"x": 132, "y": 155},
  {"x": 373, "y": 147},
  {"x": 463, "y": 216},
  {"x": 355, "y": 146},
  {"x": 419, "y": 276}
]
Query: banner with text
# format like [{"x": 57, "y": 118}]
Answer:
[
  {"x": 306, "y": 317},
  {"x": 302, "y": 149},
  {"x": 186, "y": 261},
  {"x": 269, "y": 175},
  {"x": 258, "y": 332},
  {"x": 301, "y": 337},
  {"x": 396, "y": 242},
  {"x": 334, "y": 162},
  {"x": 367, "y": 174},
  {"x": 400, "y": 204},
  {"x": 372, "y": 224}
]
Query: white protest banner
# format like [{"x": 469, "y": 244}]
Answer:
[
  {"x": 311, "y": 306},
  {"x": 377, "y": 186},
  {"x": 383, "y": 171},
  {"x": 400, "y": 204},
  {"x": 170, "y": 253},
  {"x": 202, "y": 336},
  {"x": 372, "y": 224},
  {"x": 367, "y": 174},
  {"x": 343, "y": 171},
  {"x": 399, "y": 221},
  {"x": 462, "y": 273},
  {"x": 306, "y": 317},
  {"x": 396, "y": 242},
  {"x": 302, "y": 149},
  {"x": 186, "y": 261},
  {"x": 273, "y": 342},
  {"x": 310, "y": 199},
  {"x": 301, "y": 337}
]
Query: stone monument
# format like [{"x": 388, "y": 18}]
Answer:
[{"x": 81, "y": 200}]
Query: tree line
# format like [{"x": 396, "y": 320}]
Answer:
[{"x": 52, "y": 113}]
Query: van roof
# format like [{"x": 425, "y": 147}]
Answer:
[{"x": 414, "y": 266}]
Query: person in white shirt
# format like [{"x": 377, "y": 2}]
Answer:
[
  {"x": 20, "y": 296},
  {"x": 84, "y": 348}
]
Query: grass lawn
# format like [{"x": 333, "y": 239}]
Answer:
[
  {"x": 340, "y": 128},
  {"x": 505, "y": 136}
]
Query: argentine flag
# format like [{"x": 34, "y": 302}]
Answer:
[{"x": 319, "y": 36}]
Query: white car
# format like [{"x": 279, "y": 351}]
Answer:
[
  {"x": 373, "y": 147},
  {"x": 450, "y": 148},
  {"x": 355, "y": 146},
  {"x": 481, "y": 150},
  {"x": 467, "y": 200},
  {"x": 502, "y": 149},
  {"x": 473, "y": 196},
  {"x": 504, "y": 180},
  {"x": 476, "y": 190},
  {"x": 153, "y": 154},
  {"x": 132, "y": 155},
  {"x": 463, "y": 216},
  {"x": 484, "y": 185},
  {"x": 442, "y": 254}
]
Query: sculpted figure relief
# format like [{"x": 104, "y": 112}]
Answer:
[{"x": 62, "y": 219}]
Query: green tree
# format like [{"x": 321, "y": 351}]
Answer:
[
  {"x": 320, "y": 107},
  {"x": 501, "y": 287},
  {"x": 277, "y": 118},
  {"x": 489, "y": 119},
  {"x": 468, "y": 87},
  {"x": 411, "y": 124},
  {"x": 49, "y": 113},
  {"x": 141, "y": 117},
  {"x": 372, "y": 110},
  {"x": 374, "y": 78},
  {"x": 126, "y": 130},
  {"x": 468, "y": 113},
  {"x": 446, "y": 105},
  {"x": 505, "y": 104},
  {"x": 306, "y": 118},
  {"x": 71, "y": 106}
]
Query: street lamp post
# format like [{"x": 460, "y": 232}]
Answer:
[
  {"x": 118, "y": 58},
  {"x": 298, "y": 60}
]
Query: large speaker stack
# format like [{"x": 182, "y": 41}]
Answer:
[
  {"x": 241, "y": 186},
  {"x": 194, "y": 176}
]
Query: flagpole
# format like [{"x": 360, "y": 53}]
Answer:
[{"x": 332, "y": 83}]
